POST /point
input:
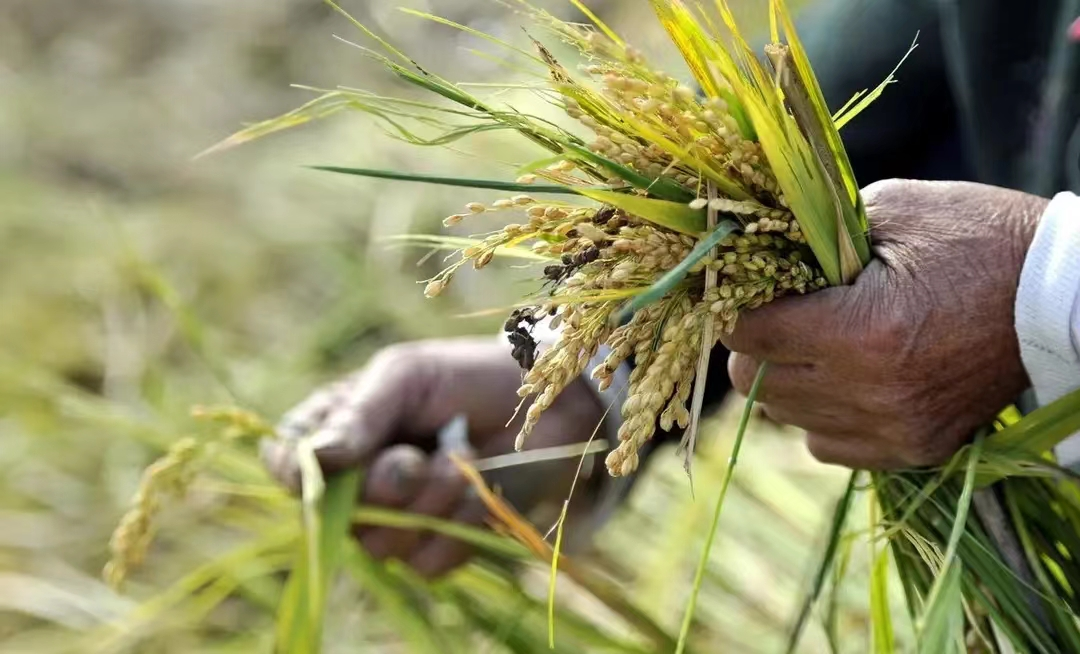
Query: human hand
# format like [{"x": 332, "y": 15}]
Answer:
[
  {"x": 385, "y": 420},
  {"x": 899, "y": 369}
]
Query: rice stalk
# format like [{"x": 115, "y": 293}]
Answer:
[{"x": 699, "y": 575}]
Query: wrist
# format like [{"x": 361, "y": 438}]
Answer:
[
  {"x": 1019, "y": 214},
  {"x": 1022, "y": 218}
]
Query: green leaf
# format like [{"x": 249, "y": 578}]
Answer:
[
  {"x": 703, "y": 562},
  {"x": 662, "y": 286},
  {"x": 327, "y": 512},
  {"x": 482, "y": 539},
  {"x": 335, "y": 522},
  {"x": 862, "y": 99},
  {"x": 836, "y": 531},
  {"x": 610, "y": 33},
  {"x": 676, "y": 216},
  {"x": 943, "y": 624},
  {"x": 316, "y": 109},
  {"x": 511, "y": 187},
  {"x": 556, "y": 551},
  {"x": 407, "y": 616},
  {"x": 661, "y": 187},
  {"x": 471, "y": 31},
  {"x": 880, "y": 617},
  {"x": 1041, "y": 430},
  {"x": 943, "y": 615}
]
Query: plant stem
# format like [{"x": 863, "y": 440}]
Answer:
[{"x": 703, "y": 562}]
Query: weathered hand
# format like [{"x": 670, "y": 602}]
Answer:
[
  {"x": 385, "y": 420},
  {"x": 900, "y": 368}
]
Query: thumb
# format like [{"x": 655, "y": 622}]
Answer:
[
  {"x": 405, "y": 395},
  {"x": 353, "y": 419}
]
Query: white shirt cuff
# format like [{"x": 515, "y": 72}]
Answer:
[{"x": 1047, "y": 311}]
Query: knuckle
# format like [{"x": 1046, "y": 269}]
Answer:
[
  {"x": 404, "y": 366},
  {"x": 884, "y": 191},
  {"x": 392, "y": 358},
  {"x": 882, "y": 338}
]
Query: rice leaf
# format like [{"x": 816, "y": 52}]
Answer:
[
  {"x": 327, "y": 512},
  {"x": 943, "y": 613},
  {"x": 1064, "y": 621},
  {"x": 1041, "y": 430},
  {"x": 316, "y": 109},
  {"x": 132, "y": 626},
  {"x": 733, "y": 459},
  {"x": 817, "y": 101},
  {"x": 386, "y": 45},
  {"x": 684, "y": 32},
  {"x": 470, "y": 31},
  {"x": 661, "y": 187},
  {"x": 482, "y": 539},
  {"x": 556, "y": 552},
  {"x": 335, "y": 520},
  {"x": 688, "y": 442},
  {"x": 675, "y": 216},
  {"x": 663, "y": 286},
  {"x": 864, "y": 99},
  {"x": 836, "y": 531},
  {"x": 880, "y": 616},
  {"x": 510, "y": 187},
  {"x": 408, "y": 616},
  {"x": 525, "y": 533},
  {"x": 943, "y": 624},
  {"x": 608, "y": 32}
]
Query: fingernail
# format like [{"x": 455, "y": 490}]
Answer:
[{"x": 404, "y": 474}]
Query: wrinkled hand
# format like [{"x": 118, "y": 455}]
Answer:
[
  {"x": 385, "y": 420},
  {"x": 899, "y": 369}
]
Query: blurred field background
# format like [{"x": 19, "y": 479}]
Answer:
[{"x": 135, "y": 283}]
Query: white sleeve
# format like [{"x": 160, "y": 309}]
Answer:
[{"x": 1048, "y": 311}]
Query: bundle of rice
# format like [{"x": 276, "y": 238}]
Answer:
[{"x": 662, "y": 216}]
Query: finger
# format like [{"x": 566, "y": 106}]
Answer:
[
  {"x": 440, "y": 497},
  {"x": 306, "y": 416},
  {"x": 409, "y": 392},
  {"x": 395, "y": 480},
  {"x": 396, "y": 477},
  {"x": 791, "y": 382},
  {"x": 815, "y": 416},
  {"x": 279, "y": 458},
  {"x": 278, "y": 454},
  {"x": 789, "y": 330},
  {"x": 850, "y": 452},
  {"x": 436, "y": 554}
]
